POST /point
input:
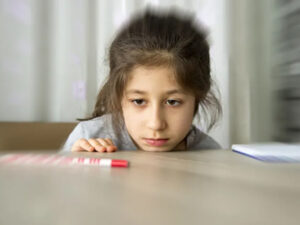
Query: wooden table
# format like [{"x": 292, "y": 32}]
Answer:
[{"x": 196, "y": 187}]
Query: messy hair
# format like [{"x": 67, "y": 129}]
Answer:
[{"x": 160, "y": 39}]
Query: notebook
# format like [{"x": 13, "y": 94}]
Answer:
[{"x": 271, "y": 152}]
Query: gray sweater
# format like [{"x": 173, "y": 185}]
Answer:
[{"x": 101, "y": 127}]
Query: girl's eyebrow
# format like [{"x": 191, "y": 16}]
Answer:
[
  {"x": 174, "y": 91},
  {"x": 135, "y": 91}
]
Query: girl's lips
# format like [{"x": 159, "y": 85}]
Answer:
[{"x": 155, "y": 142}]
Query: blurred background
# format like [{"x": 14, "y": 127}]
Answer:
[{"x": 53, "y": 60}]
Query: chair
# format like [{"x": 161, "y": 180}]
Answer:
[{"x": 33, "y": 135}]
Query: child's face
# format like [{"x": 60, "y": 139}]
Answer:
[{"x": 157, "y": 112}]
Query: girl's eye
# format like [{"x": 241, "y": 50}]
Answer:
[
  {"x": 172, "y": 102},
  {"x": 138, "y": 101}
]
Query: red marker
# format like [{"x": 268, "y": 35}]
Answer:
[
  {"x": 30, "y": 159},
  {"x": 98, "y": 162}
]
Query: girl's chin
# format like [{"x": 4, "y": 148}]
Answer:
[{"x": 155, "y": 150}]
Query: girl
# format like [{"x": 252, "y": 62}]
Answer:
[{"x": 159, "y": 78}]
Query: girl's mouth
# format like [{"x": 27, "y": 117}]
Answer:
[{"x": 156, "y": 142}]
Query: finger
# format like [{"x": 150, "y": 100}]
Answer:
[
  {"x": 97, "y": 145},
  {"x": 112, "y": 147},
  {"x": 104, "y": 143},
  {"x": 82, "y": 145},
  {"x": 109, "y": 141}
]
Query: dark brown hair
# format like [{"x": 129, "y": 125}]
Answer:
[{"x": 160, "y": 39}]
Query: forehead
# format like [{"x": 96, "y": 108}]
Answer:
[{"x": 152, "y": 78}]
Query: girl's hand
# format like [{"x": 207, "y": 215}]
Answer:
[{"x": 90, "y": 145}]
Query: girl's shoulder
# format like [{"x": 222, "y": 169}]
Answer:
[
  {"x": 95, "y": 127},
  {"x": 101, "y": 120},
  {"x": 198, "y": 140}
]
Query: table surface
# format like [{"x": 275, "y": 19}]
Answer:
[{"x": 194, "y": 187}]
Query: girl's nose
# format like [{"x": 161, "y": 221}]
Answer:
[{"x": 156, "y": 119}]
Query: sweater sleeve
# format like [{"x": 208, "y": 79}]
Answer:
[
  {"x": 209, "y": 143},
  {"x": 197, "y": 140},
  {"x": 76, "y": 134}
]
